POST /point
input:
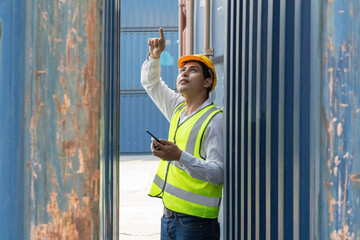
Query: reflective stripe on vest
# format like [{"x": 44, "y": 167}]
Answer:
[{"x": 188, "y": 196}]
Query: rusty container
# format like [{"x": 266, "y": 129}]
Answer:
[{"x": 53, "y": 120}]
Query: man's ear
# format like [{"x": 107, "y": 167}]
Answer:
[{"x": 208, "y": 82}]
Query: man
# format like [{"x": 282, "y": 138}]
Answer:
[{"x": 190, "y": 175}]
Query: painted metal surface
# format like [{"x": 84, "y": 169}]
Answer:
[
  {"x": 140, "y": 114},
  {"x": 217, "y": 33},
  {"x": 134, "y": 48},
  {"x": 339, "y": 120},
  {"x": 110, "y": 124},
  {"x": 63, "y": 92},
  {"x": 140, "y": 20},
  {"x": 11, "y": 120},
  {"x": 144, "y": 14},
  {"x": 267, "y": 100},
  {"x": 52, "y": 97}
]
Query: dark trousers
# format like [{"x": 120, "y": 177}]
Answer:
[{"x": 189, "y": 228}]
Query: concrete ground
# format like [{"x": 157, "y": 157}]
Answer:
[{"x": 139, "y": 214}]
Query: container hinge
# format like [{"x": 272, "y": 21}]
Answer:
[{"x": 208, "y": 52}]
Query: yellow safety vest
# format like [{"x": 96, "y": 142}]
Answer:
[{"x": 178, "y": 190}]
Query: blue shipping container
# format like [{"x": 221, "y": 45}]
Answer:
[
  {"x": 133, "y": 51},
  {"x": 148, "y": 14},
  {"x": 54, "y": 124},
  {"x": 138, "y": 113}
]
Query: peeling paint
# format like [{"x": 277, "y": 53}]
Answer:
[
  {"x": 340, "y": 99},
  {"x": 331, "y": 203},
  {"x": 74, "y": 223},
  {"x": 63, "y": 120},
  {"x": 355, "y": 177},
  {"x": 342, "y": 234},
  {"x": 339, "y": 129}
]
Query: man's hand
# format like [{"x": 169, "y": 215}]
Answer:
[
  {"x": 157, "y": 45},
  {"x": 166, "y": 151}
]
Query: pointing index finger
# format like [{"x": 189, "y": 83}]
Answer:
[{"x": 161, "y": 31}]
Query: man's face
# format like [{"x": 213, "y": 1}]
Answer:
[{"x": 191, "y": 79}]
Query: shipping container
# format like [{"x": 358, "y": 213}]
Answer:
[
  {"x": 289, "y": 85},
  {"x": 55, "y": 124},
  {"x": 142, "y": 14},
  {"x": 335, "y": 42},
  {"x": 139, "y": 113},
  {"x": 134, "y": 49},
  {"x": 141, "y": 20},
  {"x": 291, "y": 120}
]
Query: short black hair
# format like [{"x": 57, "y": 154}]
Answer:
[{"x": 206, "y": 70}]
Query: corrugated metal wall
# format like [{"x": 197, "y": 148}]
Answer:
[
  {"x": 110, "y": 139},
  {"x": 292, "y": 117},
  {"x": 268, "y": 166},
  {"x": 137, "y": 111},
  {"x": 54, "y": 99}
]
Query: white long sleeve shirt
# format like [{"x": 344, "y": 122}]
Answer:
[{"x": 166, "y": 99}]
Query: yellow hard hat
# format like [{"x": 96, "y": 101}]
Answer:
[{"x": 199, "y": 58}]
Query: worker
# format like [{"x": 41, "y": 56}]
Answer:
[{"x": 190, "y": 174}]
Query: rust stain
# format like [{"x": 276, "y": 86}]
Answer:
[
  {"x": 339, "y": 129},
  {"x": 74, "y": 223},
  {"x": 79, "y": 220},
  {"x": 331, "y": 86},
  {"x": 53, "y": 177},
  {"x": 344, "y": 202},
  {"x": 81, "y": 162},
  {"x": 342, "y": 234},
  {"x": 331, "y": 203},
  {"x": 95, "y": 180},
  {"x": 71, "y": 50},
  {"x": 62, "y": 108},
  {"x": 337, "y": 161},
  {"x": 355, "y": 177},
  {"x": 44, "y": 15},
  {"x": 343, "y": 47},
  {"x": 326, "y": 123},
  {"x": 39, "y": 71},
  {"x": 61, "y": 68},
  {"x": 69, "y": 147}
]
